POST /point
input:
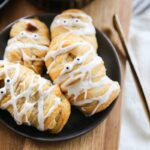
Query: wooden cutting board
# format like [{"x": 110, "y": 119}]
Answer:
[{"x": 106, "y": 135}]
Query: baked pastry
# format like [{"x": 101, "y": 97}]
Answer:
[
  {"x": 31, "y": 99},
  {"x": 77, "y": 22},
  {"x": 28, "y": 44},
  {"x": 73, "y": 64}
]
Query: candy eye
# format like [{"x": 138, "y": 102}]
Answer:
[
  {"x": 22, "y": 34},
  {"x": 68, "y": 68},
  {"x": 76, "y": 20},
  {"x": 2, "y": 91},
  {"x": 7, "y": 80},
  {"x": 64, "y": 21},
  {"x": 78, "y": 60},
  {"x": 35, "y": 36}
]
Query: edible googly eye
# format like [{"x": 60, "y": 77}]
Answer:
[
  {"x": 2, "y": 91},
  {"x": 7, "y": 80},
  {"x": 78, "y": 60},
  {"x": 68, "y": 68},
  {"x": 35, "y": 36},
  {"x": 22, "y": 33},
  {"x": 76, "y": 20},
  {"x": 64, "y": 21}
]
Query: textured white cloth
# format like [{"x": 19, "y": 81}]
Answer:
[{"x": 135, "y": 128}]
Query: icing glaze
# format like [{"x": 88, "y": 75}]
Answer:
[
  {"x": 83, "y": 69},
  {"x": 85, "y": 28},
  {"x": 85, "y": 85},
  {"x": 24, "y": 34},
  {"x": 82, "y": 27},
  {"x": 9, "y": 87},
  {"x": 82, "y": 73},
  {"x": 62, "y": 50},
  {"x": 101, "y": 99},
  {"x": 20, "y": 45},
  {"x": 15, "y": 44}
]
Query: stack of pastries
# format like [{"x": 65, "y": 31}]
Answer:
[{"x": 78, "y": 73}]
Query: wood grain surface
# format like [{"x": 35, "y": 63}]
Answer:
[{"x": 106, "y": 135}]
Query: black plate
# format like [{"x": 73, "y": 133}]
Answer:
[
  {"x": 3, "y": 3},
  {"x": 78, "y": 124}
]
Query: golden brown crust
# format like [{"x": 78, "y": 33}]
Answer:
[
  {"x": 88, "y": 109},
  {"x": 74, "y": 11},
  {"x": 25, "y": 25},
  {"x": 24, "y": 81},
  {"x": 28, "y": 44},
  {"x": 97, "y": 73},
  {"x": 83, "y": 17}
]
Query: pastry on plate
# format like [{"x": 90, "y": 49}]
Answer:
[
  {"x": 73, "y": 64},
  {"x": 31, "y": 99},
  {"x": 77, "y": 22},
  {"x": 28, "y": 44}
]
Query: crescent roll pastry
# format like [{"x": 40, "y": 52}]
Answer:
[
  {"x": 73, "y": 64},
  {"x": 31, "y": 99},
  {"x": 77, "y": 22},
  {"x": 28, "y": 44}
]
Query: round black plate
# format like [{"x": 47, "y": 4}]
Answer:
[
  {"x": 3, "y": 3},
  {"x": 78, "y": 124}
]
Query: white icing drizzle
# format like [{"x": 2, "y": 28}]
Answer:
[
  {"x": 85, "y": 85},
  {"x": 15, "y": 43},
  {"x": 83, "y": 69},
  {"x": 27, "y": 93},
  {"x": 23, "y": 34},
  {"x": 101, "y": 99},
  {"x": 62, "y": 50},
  {"x": 41, "y": 116},
  {"x": 20, "y": 45},
  {"x": 69, "y": 75},
  {"x": 83, "y": 28}
]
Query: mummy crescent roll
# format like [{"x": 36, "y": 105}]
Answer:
[
  {"x": 77, "y": 22},
  {"x": 73, "y": 64},
  {"x": 31, "y": 99},
  {"x": 28, "y": 44}
]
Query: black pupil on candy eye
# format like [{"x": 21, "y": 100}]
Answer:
[
  {"x": 2, "y": 92},
  {"x": 78, "y": 59},
  {"x": 67, "y": 68},
  {"x": 8, "y": 80},
  {"x": 77, "y": 20},
  {"x": 35, "y": 36},
  {"x": 64, "y": 21}
]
